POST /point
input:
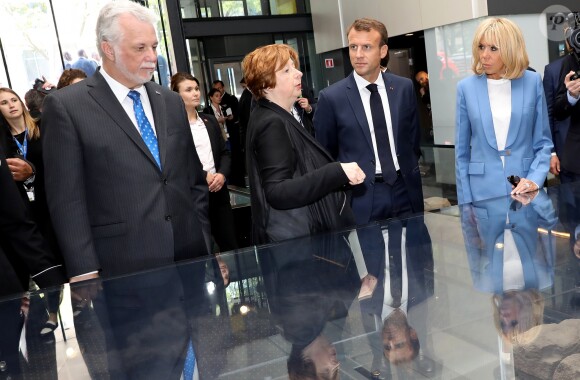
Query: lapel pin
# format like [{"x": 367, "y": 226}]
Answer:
[
  {"x": 391, "y": 88},
  {"x": 157, "y": 92}
]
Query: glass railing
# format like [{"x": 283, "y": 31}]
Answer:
[{"x": 489, "y": 290}]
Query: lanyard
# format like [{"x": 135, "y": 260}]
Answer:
[{"x": 23, "y": 148}]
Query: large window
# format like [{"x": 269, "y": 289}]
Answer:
[
  {"x": 34, "y": 47},
  {"x": 237, "y": 8},
  {"x": 29, "y": 42}
]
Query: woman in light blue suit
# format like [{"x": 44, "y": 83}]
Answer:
[{"x": 502, "y": 126}]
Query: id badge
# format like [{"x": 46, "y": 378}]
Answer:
[{"x": 30, "y": 193}]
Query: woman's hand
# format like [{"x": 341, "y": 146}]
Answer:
[
  {"x": 525, "y": 198},
  {"x": 217, "y": 182},
  {"x": 354, "y": 173},
  {"x": 20, "y": 169},
  {"x": 524, "y": 186}
]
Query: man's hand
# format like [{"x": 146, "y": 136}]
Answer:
[
  {"x": 573, "y": 86},
  {"x": 84, "y": 288},
  {"x": 20, "y": 169},
  {"x": 555, "y": 165}
]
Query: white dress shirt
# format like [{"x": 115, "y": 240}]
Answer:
[
  {"x": 500, "y": 101},
  {"x": 388, "y": 298},
  {"x": 202, "y": 144},
  {"x": 365, "y": 96},
  {"x": 121, "y": 93}
]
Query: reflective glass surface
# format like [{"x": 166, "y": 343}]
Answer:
[{"x": 481, "y": 291}]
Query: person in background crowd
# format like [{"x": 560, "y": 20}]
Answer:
[
  {"x": 296, "y": 187},
  {"x": 559, "y": 128},
  {"x": 85, "y": 64},
  {"x": 67, "y": 60},
  {"x": 22, "y": 141},
  {"x": 245, "y": 108},
  {"x": 566, "y": 106},
  {"x": 70, "y": 76},
  {"x": 214, "y": 109},
  {"x": 215, "y": 159},
  {"x": 494, "y": 140},
  {"x": 230, "y": 104},
  {"x": 24, "y": 254}
]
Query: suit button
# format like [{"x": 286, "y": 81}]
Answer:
[
  {"x": 168, "y": 218},
  {"x": 373, "y": 162},
  {"x": 165, "y": 181}
]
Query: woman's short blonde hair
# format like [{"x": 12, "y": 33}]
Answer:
[
  {"x": 260, "y": 66},
  {"x": 508, "y": 37}
]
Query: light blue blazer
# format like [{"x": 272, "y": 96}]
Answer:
[{"x": 478, "y": 167}]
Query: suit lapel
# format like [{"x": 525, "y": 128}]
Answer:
[
  {"x": 104, "y": 96},
  {"x": 296, "y": 125},
  {"x": 355, "y": 101},
  {"x": 214, "y": 137},
  {"x": 393, "y": 96},
  {"x": 159, "y": 112},
  {"x": 517, "y": 105},
  {"x": 485, "y": 110}
]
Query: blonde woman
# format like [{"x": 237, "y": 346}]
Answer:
[{"x": 501, "y": 121}]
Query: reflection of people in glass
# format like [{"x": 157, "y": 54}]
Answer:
[
  {"x": 501, "y": 121},
  {"x": 403, "y": 271},
  {"x": 516, "y": 312},
  {"x": 307, "y": 288},
  {"x": 510, "y": 259}
]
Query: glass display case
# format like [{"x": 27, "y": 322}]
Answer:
[{"x": 489, "y": 290}]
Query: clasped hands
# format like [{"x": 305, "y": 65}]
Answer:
[{"x": 215, "y": 181}]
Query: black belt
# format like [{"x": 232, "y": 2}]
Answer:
[{"x": 380, "y": 179}]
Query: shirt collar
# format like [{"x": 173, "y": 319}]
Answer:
[
  {"x": 363, "y": 83},
  {"x": 119, "y": 89}
]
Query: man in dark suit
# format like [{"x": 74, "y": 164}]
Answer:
[
  {"x": 23, "y": 254},
  {"x": 245, "y": 107},
  {"x": 126, "y": 192},
  {"x": 559, "y": 128},
  {"x": 115, "y": 208},
  {"x": 393, "y": 310},
  {"x": 350, "y": 122},
  {"x": 229, "y": 101},
  {"x": 567, "y": 105}
]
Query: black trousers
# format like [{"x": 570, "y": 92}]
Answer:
[{"x": 221, "y": 219}]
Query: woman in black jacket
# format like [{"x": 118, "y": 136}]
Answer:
[
  {"x": 20, "y": 136},
  {"x": 296, "y": 187},
  {"x": 214, "y": 157}
]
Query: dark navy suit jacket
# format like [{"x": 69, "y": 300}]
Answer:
[
  {"x": 341, "y": 126},
  {"x": 552, "y": 81}
]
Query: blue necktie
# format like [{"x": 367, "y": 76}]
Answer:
[
  {"x": 189, "y": 367},
  {"x": 382, "y": 136},
  {"x": 144, "y": 126}
]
